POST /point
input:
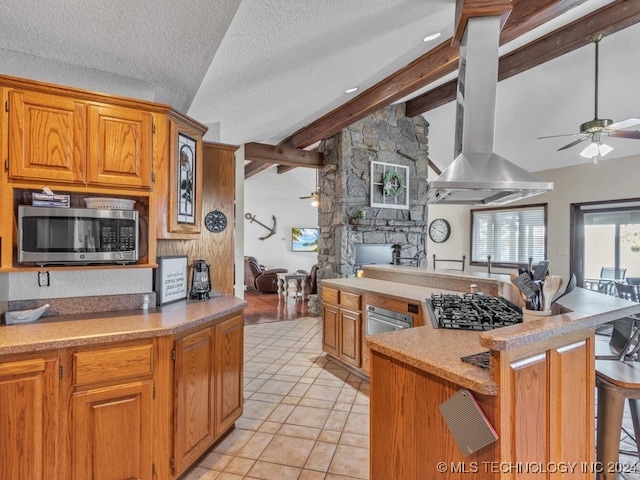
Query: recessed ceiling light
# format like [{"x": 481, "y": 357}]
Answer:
[
  {"x": 433, "y": 36},
  {"x": 351, "y": 90}
]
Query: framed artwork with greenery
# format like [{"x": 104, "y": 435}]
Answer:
[{"x": 389, "y": 185}]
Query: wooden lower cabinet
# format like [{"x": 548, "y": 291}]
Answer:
[
  {"x": 145, "y": 409},
  {"x": 112, "y": 429},
  {"x": 543, "y": 414},
  {"x": 350, "y": 336},
  {"x": 194, "y": 422},
  {"x": 111, "y": 419},
  {"x": 330, "y": 329},
  {"x": 229, "y": 362},
  {"x": 342, "y": 325},
  {"x": 29, "y": 414},
  {"x": 208, "y": 388}
]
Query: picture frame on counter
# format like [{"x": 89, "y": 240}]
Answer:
[{"x": 170, "y": 279}]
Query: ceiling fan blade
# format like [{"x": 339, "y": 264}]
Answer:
[
  {"x": 304, "y": 198},
  {"x": 634, "y": 134},
  {"x": 563, "y": 135},
  {"x": 629, "y": 122},
  {"x": 575, "y": 142}
]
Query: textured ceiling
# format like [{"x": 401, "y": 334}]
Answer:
[{"x": 258, "y": 70}]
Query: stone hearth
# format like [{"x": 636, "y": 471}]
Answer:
[{"x": 344, "y": 186}]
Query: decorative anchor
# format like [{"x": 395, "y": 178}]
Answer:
[{"x": 272, "y": 230}]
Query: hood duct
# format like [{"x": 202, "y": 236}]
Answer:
[{"x": 478, "y": 176}]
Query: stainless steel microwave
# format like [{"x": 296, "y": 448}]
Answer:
[{"x": 72, "y": 236}]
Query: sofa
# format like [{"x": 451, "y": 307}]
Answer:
[{"x": 259, "y": 279}]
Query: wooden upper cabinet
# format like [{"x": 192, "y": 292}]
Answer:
[
  {"x": 119, "y": 146},
  {"x": 47, "y": 139},
  {"x": 179, "y": 172},
  {"x": 60, "y": 139}
]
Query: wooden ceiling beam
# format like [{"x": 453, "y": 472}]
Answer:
[
  {"x": 254, "y": 168},
  {"x": 433, "y": 65},
  {"x": 282, "y": 155},
  {"x": 608, "y": 19},
  {"x": 262, "y": 156}
]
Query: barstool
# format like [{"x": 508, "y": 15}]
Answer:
[{"x": 617, "y": 379}]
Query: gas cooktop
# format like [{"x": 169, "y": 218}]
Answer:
[{"x": 472, "y": 311}]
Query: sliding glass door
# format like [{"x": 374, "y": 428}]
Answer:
[{"x": 605, "y": 236}]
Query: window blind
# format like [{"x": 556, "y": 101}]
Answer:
[{"x": 510, "y": 235}]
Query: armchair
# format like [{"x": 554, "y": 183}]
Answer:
[
  {"x": 311, "y": 285},
  {"x": 259, "y": 279}
]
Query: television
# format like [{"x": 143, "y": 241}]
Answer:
[{"x": 304, "y": 239}]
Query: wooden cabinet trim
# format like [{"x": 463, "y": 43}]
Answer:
[
  {"x": 330, "y": 295},
  {"x": 350, "y": 300},
  {"x": 118, "y": 363}
]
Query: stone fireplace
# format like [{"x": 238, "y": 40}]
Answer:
[{"x": 345, "y": 214}]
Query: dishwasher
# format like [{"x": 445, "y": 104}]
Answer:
[{"x": 382, "y": 320}]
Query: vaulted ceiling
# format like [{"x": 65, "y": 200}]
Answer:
[{"x": 274, "y": 71}]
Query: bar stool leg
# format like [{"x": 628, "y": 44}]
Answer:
[
  {"x": 634, "y": 406},
  {"x": 610, "y": 409}
]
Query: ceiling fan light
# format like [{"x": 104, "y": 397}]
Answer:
[
  {"x": 314, "y": 202},
  {"x": 591, "y": 151},
  {"x": 596, "y": 150},
  {"x": 604, "y": 149}
]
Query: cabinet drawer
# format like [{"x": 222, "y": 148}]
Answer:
[
  {"x": 118, "y": 363},
  {"x": 350, "y": 300},
  {"x": 330, "y": 295}
]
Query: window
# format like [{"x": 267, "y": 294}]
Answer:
[{"x": 510, "y": 235}]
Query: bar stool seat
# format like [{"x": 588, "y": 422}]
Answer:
[{"x": 616, "y": 381}]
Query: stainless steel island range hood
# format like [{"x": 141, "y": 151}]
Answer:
[{"x": 479, "y": 176}]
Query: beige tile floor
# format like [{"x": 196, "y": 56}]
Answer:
[{"x": 304, "y": 418}]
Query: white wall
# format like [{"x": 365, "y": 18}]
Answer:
[
  {"x": 268, "y": 194},
  {"x": 608, "y": 180}
]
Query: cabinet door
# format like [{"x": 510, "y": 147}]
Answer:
[
  {"x": 112, "y": 432},
  {"x": 229, "y": 341},
  {"x": 29, "y": 419},
  {"x": 119, "y": 146},
  {"x": 350, "y": 336},
  {"x": 330, "y": 329},
  {"x": 194, "y": 410},
  {"x": 46, "y": 137}
]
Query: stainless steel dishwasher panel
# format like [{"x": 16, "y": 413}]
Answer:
[{"x": 381, "y": 320}]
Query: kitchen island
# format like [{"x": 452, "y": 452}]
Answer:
[
  {"x": 538, "y": 393},
  {"x": 135, "y": 394}
]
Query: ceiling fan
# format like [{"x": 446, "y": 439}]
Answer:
[
  {"x": 597, "y": 128},
  {"x": 314, "y": 194}
]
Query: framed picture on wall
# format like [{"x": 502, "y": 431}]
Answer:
[
  {"x": 170, "y": 280},
  {"x": 389, "y": 185}
]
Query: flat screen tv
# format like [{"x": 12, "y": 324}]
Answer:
[{"x": 304, "y": 239}]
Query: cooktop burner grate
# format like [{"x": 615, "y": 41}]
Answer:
[{"x": 472, "y": 311}]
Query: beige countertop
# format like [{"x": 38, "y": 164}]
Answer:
[
  {"x": 438, "y": 351},
  {"x": 400, "y": 270},
  {"x": 75, "y": 330}
]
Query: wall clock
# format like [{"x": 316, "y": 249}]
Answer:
[
  {"x": 215, "y": 221},
  {"x": 439, "y": 230}
]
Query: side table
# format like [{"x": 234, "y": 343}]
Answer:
[{"x": 283, "y": 284}]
